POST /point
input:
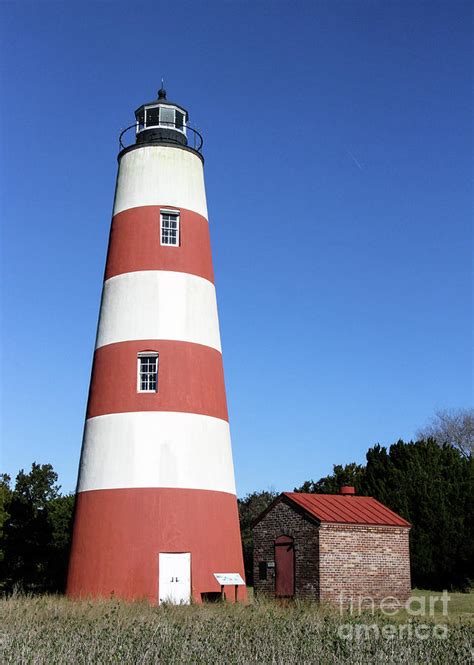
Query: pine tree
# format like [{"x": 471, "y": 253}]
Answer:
[{"x": 36, "y": 532}]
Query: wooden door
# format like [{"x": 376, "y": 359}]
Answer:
[{"x": 284, "y": 567}]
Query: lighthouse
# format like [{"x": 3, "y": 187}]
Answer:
[{"x": 156, "y": 510}]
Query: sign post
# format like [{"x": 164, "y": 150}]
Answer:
[{"x": 228, "y": 579}]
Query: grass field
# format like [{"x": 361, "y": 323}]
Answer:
[
  {"x": 52, "y": 629},
  {"x": 460, "y": 607}
]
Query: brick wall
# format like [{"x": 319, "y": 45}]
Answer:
[
  {"x": 282, "y": 520},
  {"x": 333, "y": 559},
  {"x": 361, "y": 560}
]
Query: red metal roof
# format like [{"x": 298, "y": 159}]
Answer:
[{"x": 346, "y": 509}]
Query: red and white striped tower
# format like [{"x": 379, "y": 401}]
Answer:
[{"x": 156, "y": 501}]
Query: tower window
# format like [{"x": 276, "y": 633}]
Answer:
[
  {"x": 147, "y": 372},
  {"x": 169, "y": 228}
]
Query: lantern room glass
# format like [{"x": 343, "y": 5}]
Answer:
[{"x": 160, "y": 116}]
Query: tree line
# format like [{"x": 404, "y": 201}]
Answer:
[{"x": 429, "y": 482}]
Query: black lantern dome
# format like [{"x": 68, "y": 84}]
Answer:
[{"x": 161, "y": 121}]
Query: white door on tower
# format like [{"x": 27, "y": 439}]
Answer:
[{"x": 175, "y": 578}]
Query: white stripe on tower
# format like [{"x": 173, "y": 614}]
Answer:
[
  {"x": 159, "y": 175},
  {"x": 157, "y": 449},
  {"x": 159, "y": 304}
]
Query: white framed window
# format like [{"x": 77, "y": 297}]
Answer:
[
  {"x": 169, "y": 228},
  {"x": 147, "y": 372}
]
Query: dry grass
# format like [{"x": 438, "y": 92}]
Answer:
[{"x": 51, "y": 629}]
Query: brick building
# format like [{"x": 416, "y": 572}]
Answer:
[{"x": 326, "y": 547}]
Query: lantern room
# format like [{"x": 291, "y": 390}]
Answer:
[{"x": 161, "y": 120}]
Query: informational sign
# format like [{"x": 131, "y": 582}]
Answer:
[{"x": 229, "y": 578}]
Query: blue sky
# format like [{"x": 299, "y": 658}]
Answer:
[{"x": 338, "y": 146}]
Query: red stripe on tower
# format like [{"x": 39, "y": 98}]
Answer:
[
  {"x": 156, "y": 512},
  {"x": 191, "y": 379},
  {"x": 135, "y": 243},
  {"x": 123, "y": 561}
]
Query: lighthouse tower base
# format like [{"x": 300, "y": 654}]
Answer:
[{"x": 121, "y": 533}]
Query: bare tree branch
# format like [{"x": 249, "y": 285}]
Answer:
[{"x": 454, "y": 426}]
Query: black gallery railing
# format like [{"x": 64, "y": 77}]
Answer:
[{"x": 194, "y": 138}]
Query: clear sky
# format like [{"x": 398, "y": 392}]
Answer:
[{"x": 338, "y": 146}]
